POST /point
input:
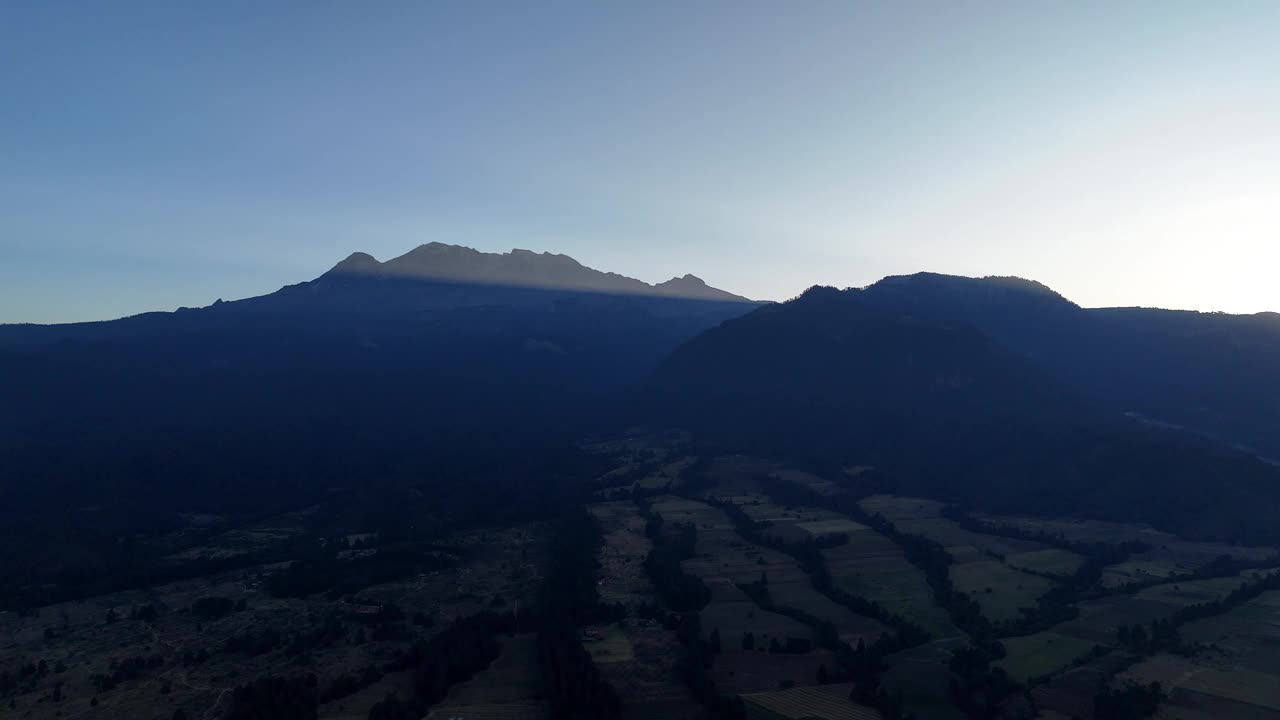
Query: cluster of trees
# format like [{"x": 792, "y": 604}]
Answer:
[
  {"x": 317, "y": 636},
  {"x": 1162, "y": 636},
  {"x": 1131, "y": 702},
  {"x": 383, "y": 482},
  {"x": 27, "y": 675},
  {"x": 348, "y": 683},
  {"x": 680, "y": 591},
  {"x": 1221, "y": 566},
  {"x": 1244, "y": 593},
  {"x": 214, "y": 607},
  {"x": 864, "y": 666},
  {"x": 573, "y": 686},
  {"x": 254, "y": 642},
  {"x": 1105, "y": 552},
  {"x": 274, "y": 698},
  {"x": 455, "y": 655},
  {"x": 694, "y": 665},
  {"x": 320, "y": 569},
  {"x": 687, "y": 595},
  {"x": 120, "y": 671},
  {"x": 571, "y": 682},
  {"x": 978, "y": 687},
  {"x": 321, "y": 634}
]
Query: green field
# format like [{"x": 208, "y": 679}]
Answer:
[
  {"x": 950, "y": 535},
  {"x": 611, "y": 647},
  {"x": 830, "y": 702},
  {"x": 818, "y": 528},
  {"x": 1241, "y": 664},
  {"x": 850, "y": 626},
  {"x": 999, "y": 589},
  {"x": 1033, "y": 656},
  {"x": 1050, "y": 561},
  {"x": 872, "y": 566},
  {"x": 897, "y": 507},
  {"x": 755, "y": 672}
]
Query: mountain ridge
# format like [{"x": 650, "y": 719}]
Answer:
[{"x": 520, "y": 268}]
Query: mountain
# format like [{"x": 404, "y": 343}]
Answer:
[
  {"x": 435, "y": 278},
  {"x": 841, "y": 355},
  {"x": 1213, "y": 373},
  {"x": 520, "y": 268},
  {"x": 996, "y": 392},
  {"x": 440, "y": 348}
]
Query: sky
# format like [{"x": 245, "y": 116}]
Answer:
[{"x": 159, "y": 154}]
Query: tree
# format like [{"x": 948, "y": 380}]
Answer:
[
  {"x": 392, "y": 708},
  {"x": 1139, "y": 637}
]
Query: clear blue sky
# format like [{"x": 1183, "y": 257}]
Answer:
[{"x": 161, "y": 154}]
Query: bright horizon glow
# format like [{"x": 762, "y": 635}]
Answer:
[{"x": 154, "y": 156}]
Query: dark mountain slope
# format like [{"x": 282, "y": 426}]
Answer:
[
  {"x": 323, "y": 366},
  {"x": 902, "y": 380},
  {"x": 835, "y": 353},
  {"x": 1213, "y": 373}
]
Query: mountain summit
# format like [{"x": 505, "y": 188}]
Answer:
[{"x": 519, "y": 268}]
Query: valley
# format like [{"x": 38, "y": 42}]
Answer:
[{"x": 722, "y": 586}]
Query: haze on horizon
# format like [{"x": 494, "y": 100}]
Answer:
[{"x": 154, "y": 156}]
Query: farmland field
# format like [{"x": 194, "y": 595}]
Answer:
[
  {"x": 872, "y": 566},
  {"x": 608, "y": 644},
  {"x": 949, "y": 534},
  {"x": 896, "y": 507},
  {"x": 830, "y": 702},
  {"x": 622, "y": 576},
  {"x": 999, "y": 589},
  {"x": 723, "y": 555},
  {"x": 193, "y": 662},
  {"x": 1050, "y": 561},
  {"x": 761, "y": 671},
  {"x": 1070, "y": 694},
  {"x": 647, "y": 682},
  {"x": 1166, "y": 554},
  {"x": 1033, "y": 656},
  {"x": 1239, "y": 673},
  {"x": 493, "y": 571}
]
